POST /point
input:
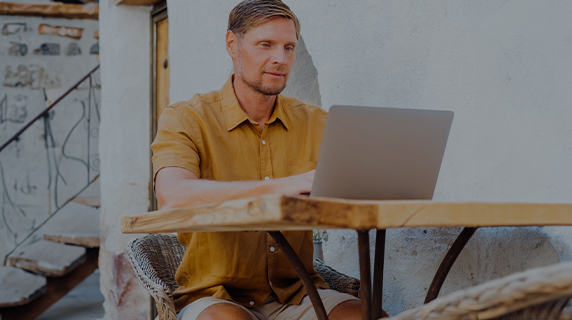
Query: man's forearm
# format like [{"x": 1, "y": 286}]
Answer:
[
  {"x": 188, "y": 193},
  {"x": 178, "y": 188}
]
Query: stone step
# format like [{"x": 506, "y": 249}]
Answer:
[
  {"x": 48, "y": 258},
  {"x": 58, "y": 287},
  {"x": 88, "y": 201},
  {"x": 18, "y": 287},
  {"x": 90, "y": 240}
]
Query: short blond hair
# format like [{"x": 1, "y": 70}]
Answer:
[{"x": 251, "y": 13}]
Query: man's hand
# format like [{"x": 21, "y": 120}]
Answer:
[
  {"x": 298, "y": 184},
  {"x": 177, "y": 188}
]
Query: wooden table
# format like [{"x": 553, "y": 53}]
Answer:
[{"x": 284, "y": 213}]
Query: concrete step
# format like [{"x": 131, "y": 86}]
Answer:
[
  {"x": 18, "y": 287},
  {"x": 88, "y": 201},
  {"x": 90, "y": 240},
  {"x": 48, "y": 258}
]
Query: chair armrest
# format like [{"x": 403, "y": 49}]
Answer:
[{"x": 337, "y": 280}]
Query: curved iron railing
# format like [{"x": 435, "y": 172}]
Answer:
[
  {"x": 54, "y": 161},
  {"x": 50, "y": 107}
]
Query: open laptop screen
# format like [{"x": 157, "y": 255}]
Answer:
[{"x": 381, "y": 153}]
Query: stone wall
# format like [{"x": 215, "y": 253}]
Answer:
[{"x": 40, "y": 58}]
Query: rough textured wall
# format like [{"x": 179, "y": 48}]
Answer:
[
  {"x": 503, "y": 67},
  {"x": 41, "y": 58},
  {"x": 124, "y": 150}
]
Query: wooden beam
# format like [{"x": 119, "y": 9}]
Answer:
[
  {"x": 276, "y": 212},
  {"x": 52, "y": 10},
  {"x": 139, "y": 2},
  {"x": 57, "y": 288}
]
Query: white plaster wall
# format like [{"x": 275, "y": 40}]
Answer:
[
  {"x": 124, "y": 150},
  {"x": 197, "y": 51},
  {"x": 503, "y": 67}
]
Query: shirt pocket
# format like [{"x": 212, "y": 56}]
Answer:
[{"x": 301, "y": 168}]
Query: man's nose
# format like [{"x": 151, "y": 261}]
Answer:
[{"x": 279, "y": 56}]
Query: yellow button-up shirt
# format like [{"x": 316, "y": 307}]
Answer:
[{"x": 211, "y": 136}]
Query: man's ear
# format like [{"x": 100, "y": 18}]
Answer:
[{"x": 231, "y": 43}]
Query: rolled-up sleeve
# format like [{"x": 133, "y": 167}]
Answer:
[{"x": 176, "y": 142}]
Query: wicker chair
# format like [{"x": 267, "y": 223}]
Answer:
[
  {"x": 540, "y": 293},
  {"x": 156, "y": 257}
]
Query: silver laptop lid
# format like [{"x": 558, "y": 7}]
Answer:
[{"x": 381, "y": 153}]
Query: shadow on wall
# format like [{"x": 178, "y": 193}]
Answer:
[
  {"x": 498, "y": 252},
  {"x": 303, "y": 79}
]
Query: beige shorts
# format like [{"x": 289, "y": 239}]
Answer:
[{"x": 270, "y": 309}]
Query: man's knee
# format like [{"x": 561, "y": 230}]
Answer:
[
  {"x": 224, "y": 311},
  {"x": 346, "y": 310},
  {"x": 349, "y": 310}
]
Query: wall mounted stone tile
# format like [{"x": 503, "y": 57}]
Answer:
[
  {"x": 74, "y": 33},
  {"x": 13, "y": 108},
  {"x": 94, "y": 49},
  {"x": 33, "y": 77},
  {"x": 18, "y": 49},
  {"x": 14, "y": 28},
  {"x": 20, "y": 76},
  {"x": 48, "y": 49},
  {"x": 73, "y": 49}
]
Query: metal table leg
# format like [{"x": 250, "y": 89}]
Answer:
[
  {"x": 447, "y": 263},
  {"x": 365, "y": 274},
  {"x": 302, "y": 273},
  {"x": 378, "y": 262}
]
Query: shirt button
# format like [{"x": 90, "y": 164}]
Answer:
[
  {"x": 263, "y": 142},
  {"x": 251, "y": 303},
  {"x": 272, "y": 249},
  {"x": 266, "y": 178}
]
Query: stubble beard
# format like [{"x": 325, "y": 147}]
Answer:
[{"x": 258, "y": 86}]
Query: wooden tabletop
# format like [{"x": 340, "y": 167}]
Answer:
[{"x": 277, "y": 212}]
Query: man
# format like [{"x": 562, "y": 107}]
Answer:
[{"x": 245, "y": 140}]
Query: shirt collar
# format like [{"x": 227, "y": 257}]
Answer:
[
  {"x": 280, "y": 112},
  {"x": 234, "y": 115}
]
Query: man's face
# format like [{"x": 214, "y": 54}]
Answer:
[{"x": 265, "y": 55}]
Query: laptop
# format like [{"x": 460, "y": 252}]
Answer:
[{"x": 381, "y": 153}]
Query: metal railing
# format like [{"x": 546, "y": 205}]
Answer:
[{"x": 57, "y": 155}]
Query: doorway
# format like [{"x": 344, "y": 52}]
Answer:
[{"x": 160, "y": 73}]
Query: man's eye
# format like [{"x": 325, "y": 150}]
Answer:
[
  {"x": 290, "y": 48},
  {"x": 266, "y": 45}
]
